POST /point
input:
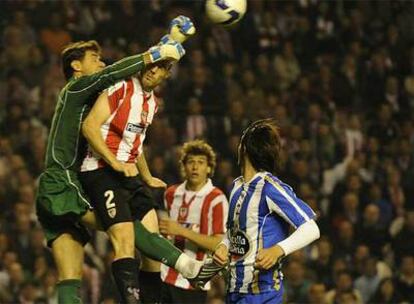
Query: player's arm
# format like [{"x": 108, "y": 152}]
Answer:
[
  {"x": 169, "y": 48},
  {"x": 146, "y": 175},
  {"x": 221, "y": 252},
  {"x": 124, "y": 68},
  {"x": 210, "y": 243},
  {"x": 298, "y": 214},
  {"x": 207, "y": 242},
  {"x": 91, "y": 127}
]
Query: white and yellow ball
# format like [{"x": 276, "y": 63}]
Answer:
[{"x": 225, "y": 12}]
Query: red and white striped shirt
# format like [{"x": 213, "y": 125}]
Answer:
[
  {"x": 132, "y": 111},
  {"x": 204, "y": 212}
]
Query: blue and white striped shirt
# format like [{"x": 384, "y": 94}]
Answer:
[{"x": 260, "y": 214}]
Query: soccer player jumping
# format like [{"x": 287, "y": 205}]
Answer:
[{"x": 262, "y": 209}]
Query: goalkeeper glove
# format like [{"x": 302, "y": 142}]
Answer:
[
  {"x": 171, "y": 51},
  {"x": 181, "y": 28}
]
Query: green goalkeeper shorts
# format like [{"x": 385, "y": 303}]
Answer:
[{"x": 60, "y": 205}]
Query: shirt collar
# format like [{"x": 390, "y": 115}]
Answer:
[{"x": 203, "y": 191}]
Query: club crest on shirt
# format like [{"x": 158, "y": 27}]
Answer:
[
  {"x": 239, "y": 245},
  {"x": 111, "y": 212},
  {"x": 135, "y": 128},
  {"x": 183, "y": 212}
]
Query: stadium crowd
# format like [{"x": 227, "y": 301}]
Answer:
[{"x": 337, "y": 76}]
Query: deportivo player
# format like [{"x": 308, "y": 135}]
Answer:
[
  {"x": 62, "y": 208},
  {"x": 197, "y": 211},
  {"x": 262, "y": 209}
]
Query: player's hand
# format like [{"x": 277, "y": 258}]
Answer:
[
  {"x": 170, "y": 227},
  {"x": 171, "y": 51},
  {"x": 267, "y": 258},
  {"x": 128, "y": 169},
  {"x": 181, "y": 28},
  {"x": 154, "y": 182},
  {"x": 221, "y": 255}
]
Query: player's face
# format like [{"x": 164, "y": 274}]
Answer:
[
  {"x": 91, "y": 63},
  {"x": 196, "y": 169},
  {"x": 154, "y": 75}
]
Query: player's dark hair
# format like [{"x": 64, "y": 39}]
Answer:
[
  {"x": 261, "y": 143},
  {"x": 76, "y": 51},
  {"x": 198, "y": 147}
]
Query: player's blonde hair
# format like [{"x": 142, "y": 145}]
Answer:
[{"x": 198, "y": 147}]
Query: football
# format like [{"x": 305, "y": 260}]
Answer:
[{"x": 225, "y": 12}]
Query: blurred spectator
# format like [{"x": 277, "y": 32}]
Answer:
[
  {"x": 372, "y": 231},
  {"x": 321, "y": 265},
  {"x": 54, "y": 37},
  {"x": 195, "y": 123},
  {"x": 368, "y": 282},
  {"x": 404, "y": 282},
  {"x": 286, "y": 66},
  {"x": 316, "y": 294},
  {"x": 343, "y": 284},
  {"x": 399, "y": 243},
  {"x": 386, "y": 293},
  {"x": 296, "y": 285},
  {"x": 344, "y": 243}
]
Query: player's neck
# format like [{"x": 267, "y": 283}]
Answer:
[
  {"x": 147, "y": 89},
  {"x": 194, "y": 186},
  {"x": 248, "y": 171}
]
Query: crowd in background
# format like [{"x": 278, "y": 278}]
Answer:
[{"x": 337, "y": 75}]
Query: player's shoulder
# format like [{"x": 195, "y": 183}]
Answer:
[
  {"x": 216, "y": 191},
  {"x": 171, "y": 189},
  {"x": 118, "y": 86},
  {"x": 237, "y": 181},
  {"x": 274, "y": 184},
  {"x": 272, "y": 181},
  {"x": 77, "y": 85}
]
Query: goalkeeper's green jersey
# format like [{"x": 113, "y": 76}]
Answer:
[{"x": 66, "y": 145}]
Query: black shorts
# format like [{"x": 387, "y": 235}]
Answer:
[{"x": 116, "y": 198}]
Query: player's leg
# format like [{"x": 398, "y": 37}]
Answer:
[
  {"x": 124, "y": 265},
  {"x": 160, "y": 249},
  {"x": 105, "y": 190},
  {"x": 149, "y": 275},
  {"x": 68, "y": 255},
  {"x": 152, "y": 244},
  {"x": 59, "y": 206}
]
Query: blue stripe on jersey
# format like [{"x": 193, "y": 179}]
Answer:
[
  {"x": 242, "y": 225},
  {"x": 285, "y": 202}
]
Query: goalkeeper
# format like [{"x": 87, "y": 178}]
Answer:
[{"x": 62, "y": 207}]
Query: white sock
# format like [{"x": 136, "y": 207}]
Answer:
[{"x": 187, "y": 266}]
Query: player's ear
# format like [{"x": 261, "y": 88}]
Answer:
[
  {"x": 209, "y": 170},
  {"x": 76, "y": 65}
]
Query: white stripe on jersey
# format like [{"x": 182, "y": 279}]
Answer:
[{"x": 128, "y": 138}]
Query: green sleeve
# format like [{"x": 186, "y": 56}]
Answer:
[{"x": 95, "y": 83}]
